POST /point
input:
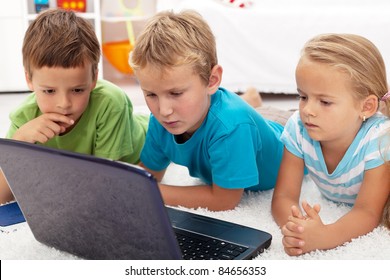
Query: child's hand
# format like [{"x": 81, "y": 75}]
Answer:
[
  {"x": 305, "y": 234},
  {"x": 43, "y": 128},
  {"x": 292, "y": 245},
  {"x": 291, "y": 231},
  {"x": 311, "y": 212}
]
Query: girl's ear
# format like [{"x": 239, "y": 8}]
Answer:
[
  {"x": 370, "y": 106},
  {"x": 28, "y": 80},
  {"x": 215, "y": 79}
]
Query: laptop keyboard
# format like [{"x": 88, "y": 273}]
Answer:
[{"x": 200, "y": 247}]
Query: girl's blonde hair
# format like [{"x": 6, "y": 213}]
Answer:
[
  {"x": 355, "y": 55},
  {"x": 175, "y": 39},
  {"x": 59, "y": 38}
]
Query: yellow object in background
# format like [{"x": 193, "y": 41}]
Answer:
[{"x": 133, "y": 11}]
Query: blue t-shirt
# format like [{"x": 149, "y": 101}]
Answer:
[
  {"x": 368, "y": 150},
  {"x": 235, "y": 147}
]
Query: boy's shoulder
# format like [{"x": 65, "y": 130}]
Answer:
[
  {"x": 229, "y": 107},
  {"x": 28, "y": 107},
  {"x": 105, "y": 87},
  {"x": 109, "y": 94},
  {"x": 225, "y": 100}
]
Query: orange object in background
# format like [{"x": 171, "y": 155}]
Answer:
[
  {"x": 117, "y": 53},
  {"x": 74, "y": 5}
]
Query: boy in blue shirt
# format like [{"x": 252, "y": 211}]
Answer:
[{"x": 194, "y": 122}]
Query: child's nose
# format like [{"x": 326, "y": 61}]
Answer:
[
  {"x": 64, "y": 102},
  {"x": 165, "y": 107},
  {"x": 309, "y": 109}
]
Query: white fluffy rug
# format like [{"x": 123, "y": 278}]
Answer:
[{"x": 17, "y": 242}]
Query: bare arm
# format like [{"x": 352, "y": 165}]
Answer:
[
  {"x": 213, "y": 197},
  {"x": 5, "y": 192},
  {"x": 288, "y": 187},
  {"x": 363, "y": 218},
  {"x": 157, "y": 174}
]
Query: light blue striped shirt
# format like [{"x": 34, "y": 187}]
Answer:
[{"x": 368, "y": 150}]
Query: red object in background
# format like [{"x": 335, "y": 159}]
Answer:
[{"x": 74, "y": 5}]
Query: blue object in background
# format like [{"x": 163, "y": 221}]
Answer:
[
  {"x": 10, "y": 214},
  {"x": 41, "y": 5}
]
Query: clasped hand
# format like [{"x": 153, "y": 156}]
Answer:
[{"x": 303, "y": 233}]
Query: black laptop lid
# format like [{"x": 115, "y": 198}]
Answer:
[{"x": 90, "y": 207}]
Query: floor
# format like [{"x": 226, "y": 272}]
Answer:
[{"x": 9, "y": 101}]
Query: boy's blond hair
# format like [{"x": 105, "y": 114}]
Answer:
[
  {"x": 59, "y": 38},
  {"x": 175, "y": 39},
  {"x": 352, "y": 54}
]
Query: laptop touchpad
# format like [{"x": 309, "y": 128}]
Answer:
[{"x": 204, "y": 226}]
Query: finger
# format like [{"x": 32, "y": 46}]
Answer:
[
  {"x": 40, "y": 138},
  {"x": 47, "y": 132},
  {"x": 310, "y": 211},
  {"x": 59, "y": 118},
  {"x": 296, "y": 212},
  {"x": 293, "y": 228},
  {"x": 298, "y": 222},
  {"x": 293, "y": 251},
  {"x": 317, "y": 208},
  {"x": 289, "y": 241},
  {"x": 54, "y": 128}
]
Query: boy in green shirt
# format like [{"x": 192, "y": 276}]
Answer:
[{"x": 69, "y": 108}]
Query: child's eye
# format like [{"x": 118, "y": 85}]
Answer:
[
  {"x": 150, "y": 94},
  {"x": 302, "y": 98},
  {"x": 78, "y": 90},
  {"x": 325, "y": 103},
  {"x": 48, "y": 91},
  {"x": 176, "y": 93}
]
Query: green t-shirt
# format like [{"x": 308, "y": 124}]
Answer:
[{"x": 108, "y": 128}]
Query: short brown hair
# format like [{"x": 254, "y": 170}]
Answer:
[
  {"x": 60, "y": 38},
  {"x": 174, "y": 39}
]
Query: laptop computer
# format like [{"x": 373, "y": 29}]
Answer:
[{"x": 96, "y": 208}]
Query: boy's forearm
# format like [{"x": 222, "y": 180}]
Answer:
[
  {"x": 158, "y": 175},
  {"x": 203, "y": 196}
]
